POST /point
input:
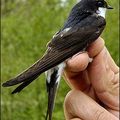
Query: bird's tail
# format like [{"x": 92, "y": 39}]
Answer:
[{"x": 52, "y": 82}]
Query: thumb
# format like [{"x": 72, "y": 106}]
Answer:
[{"x": 79, "y": 106}]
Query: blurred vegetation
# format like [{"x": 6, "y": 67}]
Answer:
[{"x": 27, "y": 25}]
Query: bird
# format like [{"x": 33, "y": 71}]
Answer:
[{"x": 85, "y": 23}]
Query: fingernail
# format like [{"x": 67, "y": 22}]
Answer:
[{"x": 90, "y": 60}]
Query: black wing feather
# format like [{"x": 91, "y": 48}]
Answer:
[
  {"x": 61, "y": 48},
  {"x": 24, "y": 84}
]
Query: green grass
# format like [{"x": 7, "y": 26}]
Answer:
[{"x": 26, "y": 28}]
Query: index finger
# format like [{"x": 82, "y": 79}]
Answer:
[
  {"x": 79, "y": 63},
  {"x": 96, "y": 47}
]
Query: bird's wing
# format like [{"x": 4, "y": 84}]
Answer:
[
  {"x": 92, "y": 25},
  {"x": 61, "y": 48}
]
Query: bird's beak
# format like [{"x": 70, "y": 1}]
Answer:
[{"x": 109, "y": 7}]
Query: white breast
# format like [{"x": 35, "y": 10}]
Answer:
[{"x": 101, "y": 11}]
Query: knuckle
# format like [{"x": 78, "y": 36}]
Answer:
[
  {"x": 69, "y": 99},
  {"x": 100, "y": 115}
]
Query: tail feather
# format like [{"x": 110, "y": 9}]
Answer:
[
  {"x": 51, "y": 99},
  {"x": 53, "y": 79}
]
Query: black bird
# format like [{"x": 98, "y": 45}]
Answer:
[{"x": 84, "y": 25}]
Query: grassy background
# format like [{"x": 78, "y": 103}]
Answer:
[{"x": 26, "y": 28}]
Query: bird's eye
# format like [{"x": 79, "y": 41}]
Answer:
[{"x": 100, "y": 4}]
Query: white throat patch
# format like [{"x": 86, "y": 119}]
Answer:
[{"x": 101, "y": 11}]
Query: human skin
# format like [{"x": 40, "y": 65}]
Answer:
[{"x": 94, "y": 85}]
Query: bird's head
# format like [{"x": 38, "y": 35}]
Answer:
[
  {"x": 98, "y": 6},
  {"x": 102, "y": 4}
]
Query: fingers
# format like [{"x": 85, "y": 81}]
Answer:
[
  {"x": 96, "y": 47},
  {"x": 73, "y": 75},
  {"x": 102, "y": 73},
  {"x": 79, "y": 106},
  {"x": 79, "y": 63},
  {"x": 104, "y": 80},
  {"x": 112, "y": 64}
]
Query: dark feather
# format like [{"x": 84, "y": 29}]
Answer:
[
  {"x": 61, "y": 48},
  {"x": 23, "y": 85},
  {"x": 51, "y": 90},
  {"x": 51, "y": 98},
  {"x": 80, "y": 33}
]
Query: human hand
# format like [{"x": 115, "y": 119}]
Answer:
[{"x": 95, "y": 85}]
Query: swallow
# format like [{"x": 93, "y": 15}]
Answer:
[{"x": 83, "y": 26}]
